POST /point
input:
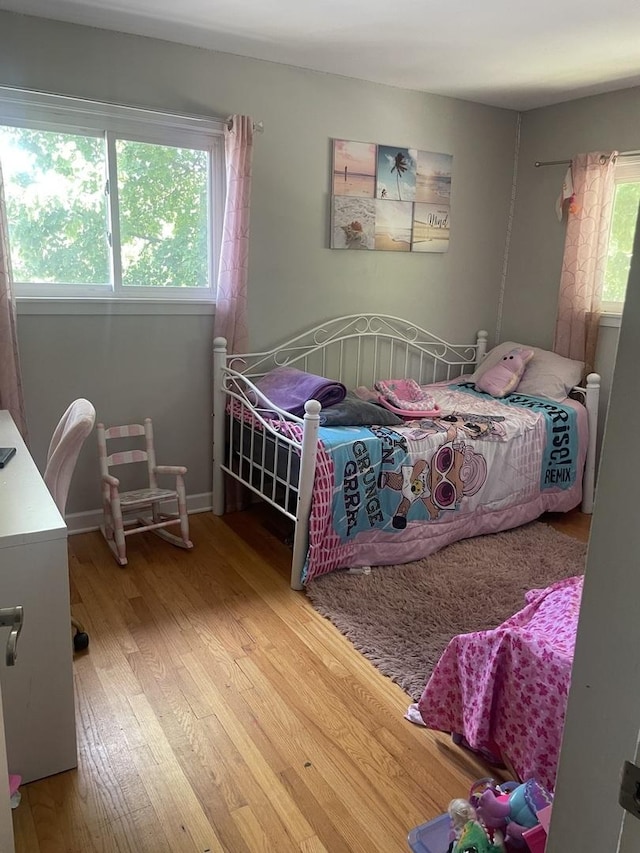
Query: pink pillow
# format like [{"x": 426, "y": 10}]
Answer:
[{"x": 504, "y": 377}]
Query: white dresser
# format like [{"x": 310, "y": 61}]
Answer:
[{"x": 37, "y": 692}]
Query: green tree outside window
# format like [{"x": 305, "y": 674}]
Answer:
[
  {"x": 623, "y": 225},
  {"x": 58, "y": 210}
]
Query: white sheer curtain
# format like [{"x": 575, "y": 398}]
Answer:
[
  {"x": 585, "y": 255},
  {"x": 231, "y": 292}
]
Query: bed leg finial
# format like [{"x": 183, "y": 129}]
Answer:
[{"x": 592, "y": 398}]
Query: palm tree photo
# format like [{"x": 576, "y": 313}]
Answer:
[{"x": 400, "y": 166}]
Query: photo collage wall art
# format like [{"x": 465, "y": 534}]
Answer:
[{"x": 389, "y": 198}]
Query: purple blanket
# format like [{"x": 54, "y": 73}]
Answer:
[{"x": 290, "y": 388}]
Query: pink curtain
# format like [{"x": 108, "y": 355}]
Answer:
[
  {"x": 10, "y": 379},
  {"x": 585, "y": 255},
  {"x": 231, "y": 296}
]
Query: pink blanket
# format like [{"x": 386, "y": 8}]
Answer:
[{"x": 505, "y": 690}]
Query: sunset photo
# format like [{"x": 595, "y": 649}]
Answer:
[
  {"x": 433, "y": 177},
  {"x": 354, "y": 168},
  {"x": 393, "y": 225}
]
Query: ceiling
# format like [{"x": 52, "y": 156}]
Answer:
[{"x": 510, "y": 54}]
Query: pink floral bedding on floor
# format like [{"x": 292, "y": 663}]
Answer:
[{"x": 505, "y": 690}]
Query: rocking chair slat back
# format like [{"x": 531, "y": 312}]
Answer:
[{"x": 115, "y": 503}]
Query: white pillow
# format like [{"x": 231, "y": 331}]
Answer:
[{"x": 547, "y": 374}]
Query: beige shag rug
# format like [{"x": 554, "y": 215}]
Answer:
[{"x": 402, "y": 617}]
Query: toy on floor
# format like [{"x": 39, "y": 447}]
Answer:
[
  {"x": 497, "y": 818},
  {"x": 511, "y": 808},
  {"x": 14, "y": 792},
  {"x": 461, "y": 812},
  {"x": 469, "y": 834}
]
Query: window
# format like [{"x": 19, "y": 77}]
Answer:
[
  {"x": 110, "y": 201},
  {"x": 623, "y": 225}
]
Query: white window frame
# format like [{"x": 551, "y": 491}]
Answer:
[
  {"x": 38, "y": 111},
  {"x": 627, "y": 170}
]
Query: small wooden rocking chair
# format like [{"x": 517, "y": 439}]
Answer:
[{"x": 118, "y": 506}]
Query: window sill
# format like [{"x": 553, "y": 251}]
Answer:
[
  {"x": 112, "y": 307},
  {"x": 611, "y": 320}
]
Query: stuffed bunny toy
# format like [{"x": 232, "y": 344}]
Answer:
[{"x": 504, "y": 377}]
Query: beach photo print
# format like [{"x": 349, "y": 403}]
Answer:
[
  {"x": 396, "y": 175},
  {"x": 354, "y": 168},
  {"x": 433, "y": 177},
  {"x": 430, "y": 231},
  {"x": 393, "y": 225},
  {"x": 389, "y": 198},
  {"x": 353, "y": 222}
]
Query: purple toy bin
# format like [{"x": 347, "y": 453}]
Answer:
[{"x": 431, "y": 837}]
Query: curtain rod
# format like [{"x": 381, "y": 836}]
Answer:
[
  {"x": 258, "y": 126},
  {"x": 539, "y": 163}
]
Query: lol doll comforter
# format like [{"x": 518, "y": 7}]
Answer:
[{"x": 390, "y": 495}]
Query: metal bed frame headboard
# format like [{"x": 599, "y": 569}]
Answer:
[
  {"x": 356, "y": 349},
  {"x": 362, "y": 348}
]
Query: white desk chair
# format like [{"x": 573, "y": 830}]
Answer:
[{"x": 66, "y": 443}]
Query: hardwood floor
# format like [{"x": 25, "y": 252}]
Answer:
[
  {"x": 217, "y": 711},
  {"x": 574, "y": 523}
]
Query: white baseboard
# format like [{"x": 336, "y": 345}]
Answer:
[{"x": 84, "y": 522}]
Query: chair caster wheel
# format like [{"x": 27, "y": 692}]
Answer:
[{"x": 80, "y": 641}]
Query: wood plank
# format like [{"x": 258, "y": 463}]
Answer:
[
  {"x": 330, "y": 816},
  {"x": 24, "y": 823},
  {"x": 575, "y": 523},
  {"x": 174, "y": 801},
  {"x": 218, "y": 711},
  {"x": 137, "y": 832}
]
